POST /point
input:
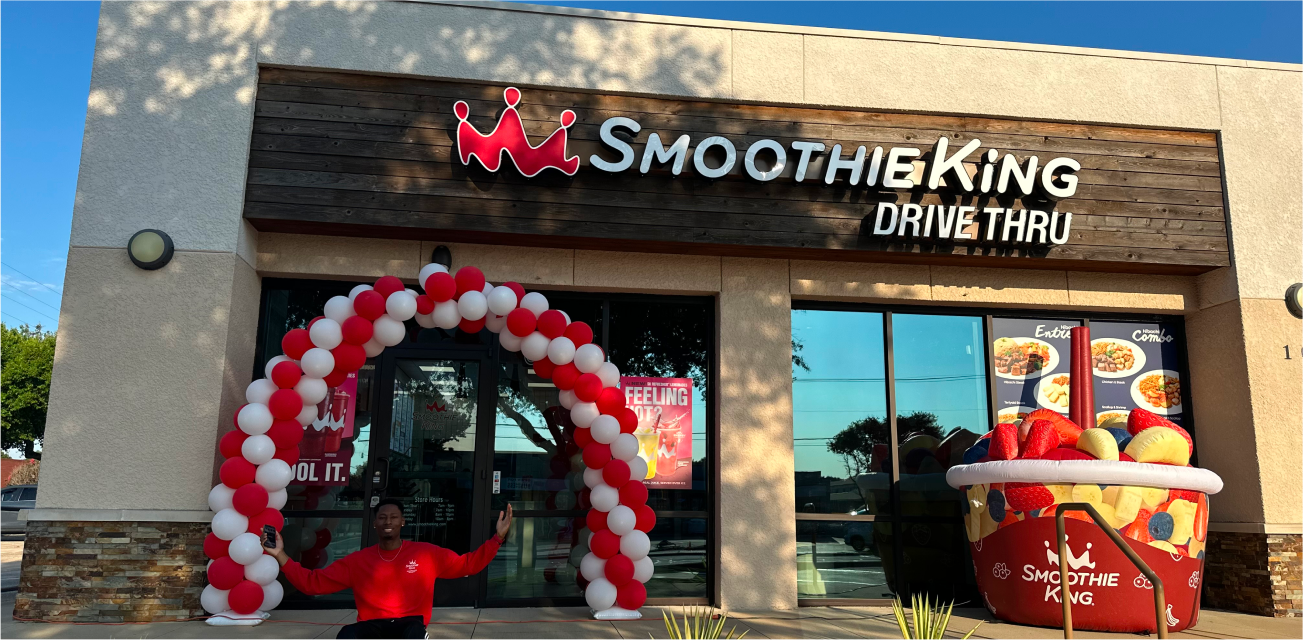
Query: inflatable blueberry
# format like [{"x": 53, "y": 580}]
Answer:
[
  {"x": 995, "y": 505},
  {"x": 1121, "y": 436},
  {"x": 1161, "y": 525},
  {"x": 977, "y": 451}
]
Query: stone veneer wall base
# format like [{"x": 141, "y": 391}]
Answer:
[
  {"x": 112, "y": 571},
  {"x": 1255, "y": 573}
]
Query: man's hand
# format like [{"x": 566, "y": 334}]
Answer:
[
  {"x": 278, "y": 551},
  {"x": 504, "y": 523}
]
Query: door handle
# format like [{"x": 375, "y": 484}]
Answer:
[{"x": 380, "y": 475}]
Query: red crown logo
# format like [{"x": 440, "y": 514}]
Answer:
[{"x": 509, "y": 137}]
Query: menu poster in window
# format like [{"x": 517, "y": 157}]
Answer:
[
  {"x": 1135, "y": 364},
  {"x": 664, "y": 409},
  {"x": 1031, "y": 365},
  {"x": 326, "y": 452}
]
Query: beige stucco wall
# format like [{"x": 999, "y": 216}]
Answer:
[{"x": 150, "y": 365}]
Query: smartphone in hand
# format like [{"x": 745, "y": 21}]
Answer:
[{"x": 269, "y": 536}]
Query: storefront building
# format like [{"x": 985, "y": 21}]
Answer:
[{"x": 852, "y": 250}]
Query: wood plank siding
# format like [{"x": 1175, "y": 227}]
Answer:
[{"x": 347, "y": 154}]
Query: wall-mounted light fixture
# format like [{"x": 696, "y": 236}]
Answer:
[
  {"x": 442, "y": 255},
  {"x": 150, "y": 249},
  {"x": 1294, "y": 299}
]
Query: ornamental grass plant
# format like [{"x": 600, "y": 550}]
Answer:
[
  {"x": 698, "y": 622},
  {"x": 929, "y": 619}
]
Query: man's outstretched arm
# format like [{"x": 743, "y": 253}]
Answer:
[
  {"x": 335, "y": 577},
  {"x": 452, "y": 565}
]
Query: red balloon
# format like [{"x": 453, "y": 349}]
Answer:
[
  {"x": 631, "y": 595},
  {"x": 583, "y": 438},
  {"x": 610, "y": 401},
  {"x": 237, "y": 472},
  {"x": 588, "y": 387},
  {"x": 311, "y": 558},
  {"x": 336, "y": 377},
  {"x": 225, "y": 573},
  {"x": 388, "y": 285},
  {"x": 515, "y": 286},
  {"x": 633, "y": 494},
  {"x": 296, "y": 343},
  {"x": 552, "y": 323},
  {"x": 605, "y": 544},
  {"x": 286, "y": 433},
  {"x": 440, "y": 287},
  {"x": 646, "y": 519},
  {"x": 357, "y": 330},
  {"x": 596, "y": 520},
  {"x": 616, "y": 473},
  {"x": 231, "y": 443},
  {"x": 289, "y": 454},
  {"x": 544, "y": 368},
  {"x": 585, "y": 498},
  {"x": 579, "y": 580},
  {"x": 323, "y": 539},
  {"x": 472, "y": 326},
  {"x": 265, "y": 517},
  {"x": 619, "y": 570},
  {"x": 424, "y": 305},
  {"x": 469, "y": 279},
  {"x": 521, "y": 322},
  {"x": 215, "y": 547},
  {"x": 250, "y": 499},
  {"x": 349, "y": 357},
  {"x": 286, "y": 374},
  {"x": 628, "y": 420},
  {"x": 579, "y": 333},
  {"x": 596, "y": 455},
  {"x": 565, "y": 376},
  {"x": 369, "y": 304},
  {"x": 245, "y": 597},
  {"x": 285, "y": 404}
]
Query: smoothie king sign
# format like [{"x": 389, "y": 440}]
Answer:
[{"x": 664, "y": 409}]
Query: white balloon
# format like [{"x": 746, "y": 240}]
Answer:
[
  {"x": 534, "y": 301},
  {"x": 621, "y": 520},
  {"x": 472, "y": 305},
  {"x": 643, "y": 569},
  {"x": 389, "y": 331},
  {"x": 274, "y": 475},
  {"x": 401, "y": 305},
  {"x": 246, "y": 548},
  {"x": 259, "y": 391},
  {"x": 604, "y": 497},
  {"x": 446, "y": 315},
  {"x": 426, "y": 320},
  {"x": 429, "y": 270},
  {"x": 566, "y": 397},
  {"x": 588, "y": 358},
  {"x": 600, "y": 594},
  {"x": 317, "y": 363},
  {"x": 510, "y": 341},
  {"x": 372, "y": 347},
  {"x": 625, "y": 448},
  {"x": 254, "y": 419},
  {"x": 229, "y": 523},
  {"x": 584, "y": 413},
  {"x": 272, "y": 594},
  {"x": 561, "y": 350},
  {"x": 605, "y": 429},
  {"x": 495, "y": 323},
  {"x": 219, "y": 497},
  {"x": 577, "y": 555},
  {"x": 502, "y": 300},
  {"x": 592, "y": 477},
  {"x": 637, "y": 467},
  {"x": 277, "y": 499},
  {"x": 592, "y": 567},
  {"x": 213, "y": 600},
  {"x": 577, "y": 462},
  {"x": 326, "y": 333},
  {"x": 534, "y": 346},
  {"x": 565, "y": 499},
  {"x": 258, "y": 449},
  {"x": 488, "y": 288},
  {"x": 271, "y": 364},
  {"x": 339, "y": 309},
  {"x": 262, "y": 570},
  {"x": 565, "y": 315},
  {"x": 312, "y": 390},
  {"x": 635, "y": 544},
  {"x": 610, "y": 374},
  {"x": 307, "y": 414},
  {"x": 583, "y": 537},
  {"x": 352, "y": 295}
]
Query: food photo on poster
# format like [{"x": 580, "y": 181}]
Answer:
[
  {"x": 1136, "y": 365},
  {"x": 1031, "y": 366},
  {"x": 664, "y": 410}
]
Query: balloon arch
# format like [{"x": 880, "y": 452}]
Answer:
[{"x": 611, "y": 552}]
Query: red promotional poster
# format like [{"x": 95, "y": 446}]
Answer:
[
  {"x": 664, "y": 408},
  {"x": 326, "y": 451}
]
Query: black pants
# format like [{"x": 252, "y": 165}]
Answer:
[{"x": 409, "y": 627}]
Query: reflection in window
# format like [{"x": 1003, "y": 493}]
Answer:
[
  {"x": 316, "y": 543},
  {"x": 842, "y": 559}
]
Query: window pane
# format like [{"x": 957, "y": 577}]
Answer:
[
  {"x": 937, "y": 561},
  {"x": 316, "y": 543},
  {"x": 534, "y": 562},
  {"x": 839, "y": 402},
  {"x": 29, "y": 494},
  {"x": 678, "y": 550},
  {"x": 1136, "y": 365},
  {"x": 529, "y": 445},
  {"x": 842, "y": 559}
]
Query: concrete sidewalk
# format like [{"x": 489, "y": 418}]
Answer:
[{"x": 550, "y": 622}]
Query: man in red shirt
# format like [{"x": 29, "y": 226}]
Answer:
[{"x": 393, "y": 582}]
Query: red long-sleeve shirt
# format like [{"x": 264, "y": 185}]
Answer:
[{"x": 397, "y": 588}]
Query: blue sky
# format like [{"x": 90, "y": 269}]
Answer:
[{"x": 46, "y": 50}]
